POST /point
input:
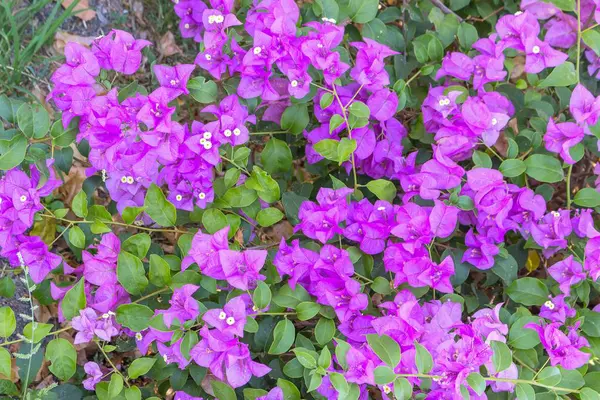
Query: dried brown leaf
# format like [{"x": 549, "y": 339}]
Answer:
[
  {"x": 167, "y": 46},
  {"x": 61, "y": 38},
  {"x": 82, "y": 10}
]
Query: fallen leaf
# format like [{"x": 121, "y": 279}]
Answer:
[
  {"x": 61, "y": 38},
  {"x": 82, "y": 10},
  {"x": 167, "y": 46},
  {"x": 138, "y": 11}
]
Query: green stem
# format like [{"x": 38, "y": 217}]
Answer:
[
  {"x": 149, "y": 295},
  {"x": 21, "y": 340},
  {"x": 268, "y": 133},
  {"x": 273, "y": 313},
  {"x": 235, "y": 165},
  {"x": 415, "y": 76},
  {"x": 364, "y": 278},
  {"x": 143, "y": 228},
  {"x": 112, "y": 365},
  {"x": 569, "y": 187},
  {"x": 578, "y": 38},
  {"x": 349, "y": 135},
  {"x": 590, "y": 28}
]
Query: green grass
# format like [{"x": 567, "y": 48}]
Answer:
[{"x": 20, "y": 43}]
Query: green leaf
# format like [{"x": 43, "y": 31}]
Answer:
[
  {"x": 386, "y": 348},
  {"x": 136, "y": 317},
  {"x": 133, "y": 393},
  {"x": 435, "y": 48},
  {"x": 9, "y": 108},
  {"x": 524, "y": 392},
  {"x": 269, "y": 216},
  {"x": 335, "y": 121},
  {"x": 12, "y": 152},
  {"x": 138, "y": 245},
  {"x": 324, "y": 360},
  {"x": 359, "y": 109},
  {"x": 565, "y": 5},
  {"x": 202, "y": 91},
  {"x": 306, "y": 310},
  {"x": 262, "y": 295},
  {"x": 5, "y": 363},
  {"x": 7, "y": 287},
  {"x": 305, "y": 358},
  {"x": 265, "y": 186},
  {"x": 423, "y": 359},
  {"x": 253, "y": 394},
  {"x": 276, "y": 156},
  {"x": 326, "y": 100},
  {"x": 159, "y": 208},
  {"x": 74, "y": 300},
  {"x": 131, "y": 213},
  {"x": 115, "y": 387},
  {"x": 512, "y": 167},
  {"x": 160, "y": 273},
  {"x": 381, "y": 285},
  {"x": 77, "y": 237},
  {"x": 341, "y": 350},
  {"x": 523, "y": 338},
  {"x": 544, "y": 168},
  {"x": 502, "y": 357},
  {"x": 476, "y": 382},
  {"x": 384, "y": 375},
  {"x": 295, "y": 118},
  {"x": 131, "y": 273},
  {"x": 33, "y": 121},
  {"x": 549, "y": 376},
  {"x": 213, "y": 220},
  {"x": 383, "y": 189},
  {"x": 8, "y": 322},
  {"x": 222, "y": 390},
  {"x": 231, "y": 177},
  {"x": 467, "y": 35},
  {"x": 563, "y": 75},
  {"x": 79, "y": 205},
  {"x": 240, "y": 196},
  {"x": 335, "y": 150},
  {"x": 402, "y": 389},
  {"x": 288, "y": 298},
  {"x": 339, "y": 383},
  {"x": 588, "y": 394},
  {"x": 528, "y": 291},
  {"x": 36, "y": 331},
  {"x": 290, "y": 391},
  {"x": 283, "y": 337},
  {"x": 587, "y": 197},
  {"x": 481, "y": 159},
  {"x": 62, "y": 137},
  {"x": 592, "y": 39},
  {"x": 324, "y": 331},
  {"x": 362, "y": 11},
  {"x": 63, "y": 357},
  {"x": 140, "y": 366}
]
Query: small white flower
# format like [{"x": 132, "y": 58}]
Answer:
[
  {"x": 178, "y": 197},
  {"x": 207, "y": 135},
  {"x": 255, "y": 309},
  {"x": 207, "y": 145},
  {"x": 518, "y": 13},
  {"x": 535, "y": 49},
  {"x": 222, "y": 315},
  {"x": 227, "y": 132},
  {"x": 187, "y": 26},
  {"x": 549, "y": 304},
  {"x": 211, "y": 19},
  {"x": 294, "y": 83},
  {"x": 208, "y": 57},
  {"x": 320, "y": 45},
  {"x": 494, "y": 121},
  {"x": 165, "y": 358},
  {"x": 103, "y": 175},
  {"x": 138, "y": 336},
  {"x": 173, "y": 82},
  {"x": 555, "y": 214},
  {"x": 380, "y": 208},
  {"x": 202, "y": 141},
  {"x": 257, "y": 50},
  {"x": 123, "y": 179},
  {"x": 230, "y": 321},
  {"x": 23, "y": 199},
  {"x": 237, "y": 132},
  {"x": 202, "y": 196},
  {"x": 447, "y": 102},
  {"x": 106, "y": 316},
  {"x": 130, "y": 180},
  {"x": 219, "y": 19},
  {"x": 386, "y": 389}
]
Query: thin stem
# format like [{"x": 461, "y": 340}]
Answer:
[
  {"x": 590, "y": 28},
  {"x": 349, "y": 136},
  {"x": 61, "y": 234},
  {"x": 112, "y": 365},
  {"x": 33, "y": 326},
  {"x": 322, "y": 88},
  {"x": 174, "y": 230},
  {"x": 273, "y": 313},
  {"x": 353, "y": 97},
  {"x": 268, "y": 133},
  {"x": 494, "y": 152},
  {"x": 235, "y": 165},
  {"x": 543, "y": 366},
  {"x": 517, "y": 359},
  {"x": 569, "y": 187},
  {"x": 578, "y": 38},
  {"x": 364, "y": 278},
  {"x": 159, "y": 291},
  {"x": 21, "y": 340}
]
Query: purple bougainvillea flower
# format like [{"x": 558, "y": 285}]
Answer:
[
  {"x": 101, "y": 268},
  {"x": 204, "y": 252},
  {"x": 94, "y": 375},
  {"x": 550, "y": 232},
  {"x": 242, "y": 268},
  {"x": 480, "y": 250},
  {"x": 541, "y": 55},
  {"x": 174, "y": 78},
  {"x": 360, "y": 368},
  {"x": 457, "y": 65},
  {"x": 119, "y": 51},
  {"x": 584, "y": 107},
  {"x": 556, "y": 309},
  {"x": 274, "y": 394},
  {"x": 567, "y": 273},
  {"x": 229, "y": 320},
  {"x": 183, "y": 306},
  {"x": 561, "y": 137},
  {"x": 369, "y": 66},
  {"x": 85, "y": 325},
  {"x": 562, "y": 349}
]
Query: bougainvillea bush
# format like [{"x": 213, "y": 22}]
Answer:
[{"x": 336, "y": 200}]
